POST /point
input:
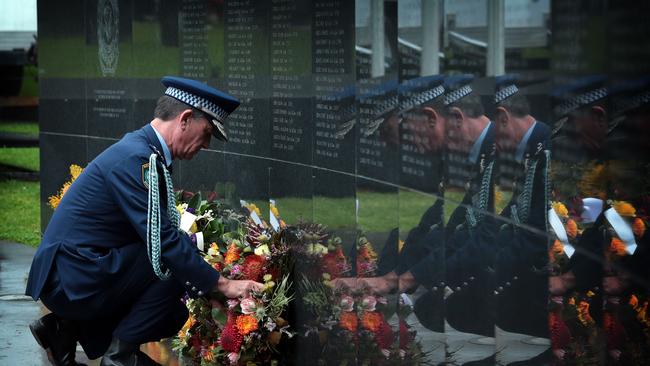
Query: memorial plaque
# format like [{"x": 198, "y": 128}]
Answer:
[
  {"x": 247, "y": 75},
  {"x": 108, "y": 53}
]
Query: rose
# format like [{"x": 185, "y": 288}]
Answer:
[
  {"x": 248, "y": 306},
  {"x": 346, "y": 303},
  {"x": 233, "y": 357},
  {"x": 368, "y": 303}
]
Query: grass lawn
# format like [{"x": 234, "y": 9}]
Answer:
[
  {"x": 23, "y": 157},
  {"x": 28, "y": 128},
  {"x": 20, "y": 212}
]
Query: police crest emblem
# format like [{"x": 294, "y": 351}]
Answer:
[
  {"x": 108, "y": 35},
  {"x": 145, "y": 175}
]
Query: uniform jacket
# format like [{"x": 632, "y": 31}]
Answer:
[{"x": 89, "y": 238}]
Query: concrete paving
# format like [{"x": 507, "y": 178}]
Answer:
[{"x": 17, "y": 346}]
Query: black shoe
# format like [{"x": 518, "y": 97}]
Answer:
[
  {"x": 121, "y": 353},
  {"x": 58, "y": 337}
]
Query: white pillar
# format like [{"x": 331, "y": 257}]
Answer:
[
  {"x": 431, "y": 18},
  {"x": 377, "y": 28},
  {"x": 496, "y": 51}
]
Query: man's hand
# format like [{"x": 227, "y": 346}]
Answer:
[
  {"x": 407, "y": 283},
  {"x": 234, "y": 289}
]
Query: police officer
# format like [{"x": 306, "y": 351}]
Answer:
[
  {"x": 522, "y": 281},
  {"x": 113, "y": 264}
]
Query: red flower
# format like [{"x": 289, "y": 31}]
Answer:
[
  {"x": 231, "y": 340},
  {"x": 405, "y": 335},
  {"x": 560, "y": 334},
  {"x": 253, "y": 267},
  {"x": 334, "y": 263},
  {"x": 384, "y": 336}
]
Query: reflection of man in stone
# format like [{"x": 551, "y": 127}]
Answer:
[
  {"x": 113, "y": 263},
  {"x": 522, "y": 245},
  {"x": 457, "y": 257}
]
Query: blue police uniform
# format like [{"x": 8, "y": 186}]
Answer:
[{"x": 93, "y": 266}]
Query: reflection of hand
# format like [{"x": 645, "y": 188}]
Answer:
[
  {"x": 234, "y": 289},
  {"x": 407, "y": 283},
  {"x": 614, "y": 285},
  {"x": 382, "y": 285},
  {"x": 559, "y": 353},
  {"x": 351, "y": 283},
  {"x": 560, "y": 285}
]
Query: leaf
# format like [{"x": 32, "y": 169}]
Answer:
[
  {"x": 219, "y": 316},
  {"x": 195, "y": 201}
]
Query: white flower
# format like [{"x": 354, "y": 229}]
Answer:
[
  {"x": 262, "y": 250},
  {"x": 233, "y": 357},
  {"x": 320, "y": 249},
  {"x": 385, "y": 352},
  {"x": 248, "y": 306},
  {"x": 270, "y": 325},
  {"x": 232, "y": 303},
  {"x": 346, "y": 303},
  {"x": 368, "y": 303},
  {"x": 213, "y": 251}
]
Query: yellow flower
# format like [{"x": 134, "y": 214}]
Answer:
[
  {"x": 274, "y": 211},
  {"x": 75, "y": 170},
  {"x": 624, "y": 208},
  {"x": 560, "y": 209},
  {"x": 583, "y": 313},
  {"x": 54, "y": 201},
  {"x": 590, "y": 293},
  {"x": 246, "y": 324},
  {"x": 400, "y": 245}
]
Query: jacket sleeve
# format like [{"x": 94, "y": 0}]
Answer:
[{"x": 126, "y": 183}]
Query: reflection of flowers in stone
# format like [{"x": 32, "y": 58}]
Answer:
[
  {"x": 346, "y": 303},
  {"x": 368, "y": 303},
  {"x": 583, "y": 313},
  {"x": 571, "y": 228},
  {"x": 638, "y": 227},
  {"x": 617, "y": 247},
  {"x": 371, "y": 320},
  {"x": 348, "y": 321},
  {"x": 560, "y": 209},
  {"x": 54, "y": 200}
]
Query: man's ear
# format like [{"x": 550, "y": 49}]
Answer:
[
  {"x": 184, "y": 118},
  {"x": 432, "y": 116},
  {"x": 457, "y": 116},
  {"x": 599, "y": 115},
  {"x": 502, "y": 117}
]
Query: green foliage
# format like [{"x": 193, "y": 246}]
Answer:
[
  {"x": 20, "y": 212},
  {"x": 22, "y": 157},
  {"x": 28, "y": 128}
]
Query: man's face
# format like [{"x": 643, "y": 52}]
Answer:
[
  {"x": 427, "y": 128},
  {"x": 195, "y": 136},
  {"x": 504, "y": 131}
]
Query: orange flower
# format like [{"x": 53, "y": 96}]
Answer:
[
  {"x": 246, "y": 324},
  {"x": 583, "y": 313},
  {"x": 349, "y": 321},
  {"x": 624, "y": 208},
  {"x": 232, "y": 255},
  {"x": 556, "y": 249},
  {"x": 617, "y": 247},
  {"x": 642, "y": 314},
  {"x": 638, "y": 227},
  {"x": 634, "y": 301},
  {"x": 371, "y": 320},
  {"x": 571, "y": 229}
]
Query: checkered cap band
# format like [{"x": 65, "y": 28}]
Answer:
[
  {"x": 505, "y": 93},
  {"x": 626, "y": 104},
  {"x": 419, "y": 98},
  {"x": 580, "y": 100},
  {"x": 458, "y": 94},
  {"x": 197, "y": 102},
  {"x": 385, "y": 106}
]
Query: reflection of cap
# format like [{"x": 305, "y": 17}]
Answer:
[
  {"x": 505, "y": 87},
  {"x": 208, "y": 100},
  {"x": 416, "y": 92},
  {"x": 630, "y": 94},
  {"x": 580, "y": 93},
  {"x": 592, "y": 207},
  {"x": 457, "y": 88},
  {"x": 383, "y": 101}
]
